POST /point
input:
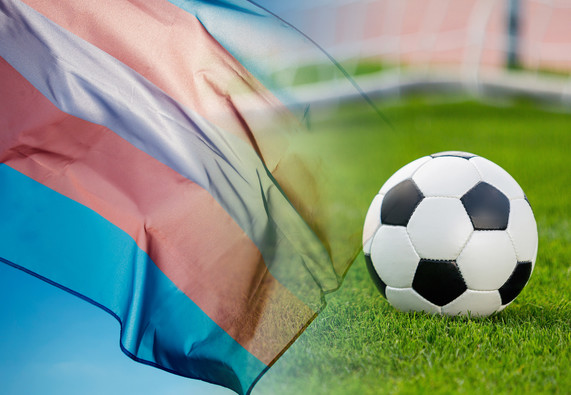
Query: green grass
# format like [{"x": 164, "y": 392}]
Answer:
[
  {"x": 360, "y": 345},
  {"x": 313, "y": 73}
]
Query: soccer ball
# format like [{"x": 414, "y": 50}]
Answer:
[{"x": 450, "y": 233}]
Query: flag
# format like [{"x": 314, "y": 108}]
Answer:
[{"x": 153, "y": 163}]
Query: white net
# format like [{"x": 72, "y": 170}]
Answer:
[{"x": 443, "y": 42}]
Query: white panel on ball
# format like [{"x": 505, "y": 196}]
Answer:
[
  {"x": 407, "y": 299},
  {"x": 488, "y": 260},
  {"x": 498, "y": 177},
  {"x": 446, "y": 176},
  {"x": 372, "y": 222},
  {"x": 523, "y": 230},
  {"x": 474, "y": 303},
  {"x": 439, "y": 228},
  {"x": 403, "y": 173},
  {"x": 393, "y": 256}
]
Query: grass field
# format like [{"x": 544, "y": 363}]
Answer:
[{"x": 360, "y": 345}]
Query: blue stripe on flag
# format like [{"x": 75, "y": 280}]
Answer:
[{"x": 53, "y": 237}]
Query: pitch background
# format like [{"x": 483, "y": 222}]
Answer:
[{"x": 360, "y": 345}]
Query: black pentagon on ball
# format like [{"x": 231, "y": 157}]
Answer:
[
  {"x": 400, "y": 202},
  {"x": 457, "y": 154},
  {"x": 439, "y": 282},
  {"x": 516, "y": 282},
  {"x": 487, "y": 207},
  {"x": 380, "y": 284}
]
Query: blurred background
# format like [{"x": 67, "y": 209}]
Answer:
[
  {"x": 55, "y": 343},
  {"x": 517, "y": 47}
]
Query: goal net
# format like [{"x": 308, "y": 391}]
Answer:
[{"x": 472, "y": 42}]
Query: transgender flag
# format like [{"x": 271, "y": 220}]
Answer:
[{"x": 148, "y": 167}]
